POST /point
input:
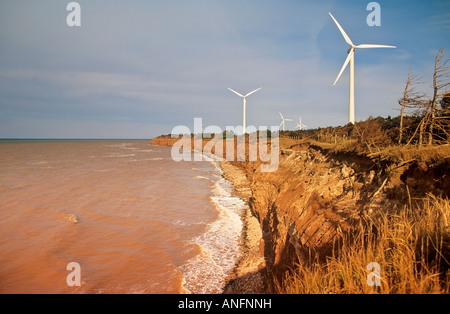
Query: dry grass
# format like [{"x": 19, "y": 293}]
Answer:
[
  {"x": 427, "y": 154},
  {"x": 412, "y": 247}
]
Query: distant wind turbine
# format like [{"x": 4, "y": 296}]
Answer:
[
  {"x": 300, "y": 125},
  {"x": 245, "y": 103},
  {"x": 283, "y": 122},
  {"x": 351, "y": 59}
]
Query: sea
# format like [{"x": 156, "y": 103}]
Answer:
[{"x": 131, "y": 218}]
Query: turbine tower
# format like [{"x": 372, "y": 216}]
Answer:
[
  {"x": 300, "y": 125},
  {"x": 245, "y": 103},
  {"x": 283, "y": 122},
  {"x": 351, "y": 59}
]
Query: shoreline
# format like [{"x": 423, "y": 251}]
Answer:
[{"x": 247, "y": 277}]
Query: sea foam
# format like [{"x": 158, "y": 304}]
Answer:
[{"x": 219, "y": 244}]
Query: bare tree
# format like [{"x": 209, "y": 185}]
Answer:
[
  {"x": 424, "y": 122},
  {"x": 442, "y": 120},
  {"x": 411, "y": 99},
  {"x": 434, "y": 122},
  {"x": 440, "y": 84}
]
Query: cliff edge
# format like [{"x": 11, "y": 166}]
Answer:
[{"x": 315, "y": 197}]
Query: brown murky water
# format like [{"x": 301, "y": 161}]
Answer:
[{"x": 134, "y": 220}]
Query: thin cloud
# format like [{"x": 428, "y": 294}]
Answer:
[{"x": 164, "y": 63}]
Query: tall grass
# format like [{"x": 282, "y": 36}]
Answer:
[
  {"x": 412, "y": 247},
  {"x": 428, "y": 154}
]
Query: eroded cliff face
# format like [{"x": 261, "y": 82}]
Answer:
[
  {"x": 315, "y": 196},
  {"x": 164, "y": 141}
]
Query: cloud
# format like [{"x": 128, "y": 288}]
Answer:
[{"x": 165, "y": 62}]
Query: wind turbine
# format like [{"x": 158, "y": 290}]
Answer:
[
  {"x": 351, "y": 59},
  {"x": 245, "y": 102},
  {"x": 283, "y": 122},
  {"x": 300, "y": 125}
]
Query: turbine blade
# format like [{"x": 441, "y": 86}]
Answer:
[
  {"x": 347, "y": 39},
  {"x": 349, "y": 57},
  {"x": 281, "y": 116},
  {"x": 288, "y": 120},
  {"x": 236, "y": 92},
  {"x": 374, "y": 46},
  {"x": 253, "y": 92}
]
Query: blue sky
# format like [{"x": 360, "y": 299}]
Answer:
[{"x": 136, "y": 69}]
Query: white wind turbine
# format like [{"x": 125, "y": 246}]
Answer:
[
  {"x": 245, "y": 103},
  {"x": 300, "y": 125},
  {"x": 283, "y": 122},
  {"x": 351, "y": 59}
]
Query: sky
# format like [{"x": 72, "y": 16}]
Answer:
[{"x": 137, "y": 69}]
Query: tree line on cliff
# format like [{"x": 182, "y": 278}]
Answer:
[{"x": 423, "y": 121}]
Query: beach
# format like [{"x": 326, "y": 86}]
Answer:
[{"x": 248, "y": 275}]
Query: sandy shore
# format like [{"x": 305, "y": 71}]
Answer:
[{"x": 247, "y": 277}]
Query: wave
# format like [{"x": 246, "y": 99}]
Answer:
[
  {"x": 71, "y": 217},
  {"x": 37, "y": 163},
  {"x": 146, "y": 159},
  {"x": 201, "y": 178},
  {"x": 120, "y": 155},
  {"x": 219, "y": 244}
]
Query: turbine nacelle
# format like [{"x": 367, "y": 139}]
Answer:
[
  {"x": 244, "y": 105},
  {"x": 240, "y": 95}
]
